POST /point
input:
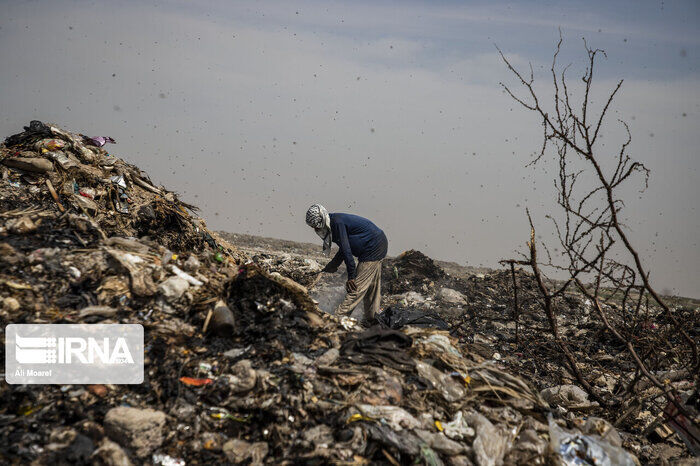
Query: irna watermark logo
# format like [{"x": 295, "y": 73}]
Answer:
[{"x": 74, "y": 353}]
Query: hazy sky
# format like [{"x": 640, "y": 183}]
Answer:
[{"x": 391, "y": 110}]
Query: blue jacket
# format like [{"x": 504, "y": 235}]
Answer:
[{"x": 356, "y": 236}]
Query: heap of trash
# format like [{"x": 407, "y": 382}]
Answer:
[
  {"x": 476, "y": 307},
  {"x": 242, "y": 366}
]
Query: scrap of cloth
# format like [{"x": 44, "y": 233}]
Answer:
[
  {"x": 317, "y": 218},
  {"x": 379, "y": 347}
]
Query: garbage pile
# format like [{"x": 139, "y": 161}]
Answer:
[
  {"x": 411, "y": 271},
  {"x": 478, "y": 312},
  {"x": 241, "y": 365}
]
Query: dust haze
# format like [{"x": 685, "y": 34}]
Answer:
[{"x": 394, "y": 112}]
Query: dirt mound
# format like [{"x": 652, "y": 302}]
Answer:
[{"x": 409, "y": 271}]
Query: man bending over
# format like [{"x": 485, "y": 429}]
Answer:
[{"x": 355, "y": 236}]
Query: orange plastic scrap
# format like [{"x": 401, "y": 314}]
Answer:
[
  {"x": 98, "y": 390},
  {"x": 195, "y": 382}
]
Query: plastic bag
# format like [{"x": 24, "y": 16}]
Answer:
[
  {"x": 458, "y": 428},
  {"x": 491, "y": 443},
  {"x": 398, "y": 317},
  {"x": 440, "y": 342},
  {"x": 575, "y": 448},
  {"x": 448, "y": 386},
  {"x": 397, "y": 418}
]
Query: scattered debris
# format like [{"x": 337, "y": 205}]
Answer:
[{"x": 242, "y": 365}]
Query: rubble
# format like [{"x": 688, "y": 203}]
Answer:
[
  {"x": 140, "y": 430},
  {"x": 110, "y": 454},
  {"x": 238, "y": 451},
  {"x": 241, "y": 364},
  {"x": 451, "y": 296},
  {"x": 565, "y": 395}
]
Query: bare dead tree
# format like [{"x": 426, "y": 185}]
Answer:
[
  {"x": 597, "y": 257},
  {"x": 516, "y": 305}
]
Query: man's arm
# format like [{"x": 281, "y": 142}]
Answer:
[
  {"x": 346, "y": 252},
  {"x": 333, "y": 265}
]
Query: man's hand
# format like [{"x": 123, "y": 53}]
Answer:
[
  {"x": 351, "y": 286},
  {"x": 329, "y": 269}
]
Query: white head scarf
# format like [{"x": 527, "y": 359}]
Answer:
[{"x": 317, "y": 218}]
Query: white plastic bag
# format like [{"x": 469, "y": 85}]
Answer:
[{"x": 574, "y": 448}]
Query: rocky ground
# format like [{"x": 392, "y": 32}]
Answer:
[{"x": 244, "y": 366}]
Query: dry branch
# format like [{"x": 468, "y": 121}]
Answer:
[{"x": 587, "y": 227}]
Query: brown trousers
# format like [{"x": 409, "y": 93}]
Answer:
[{"x": 369, "y": 290}]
